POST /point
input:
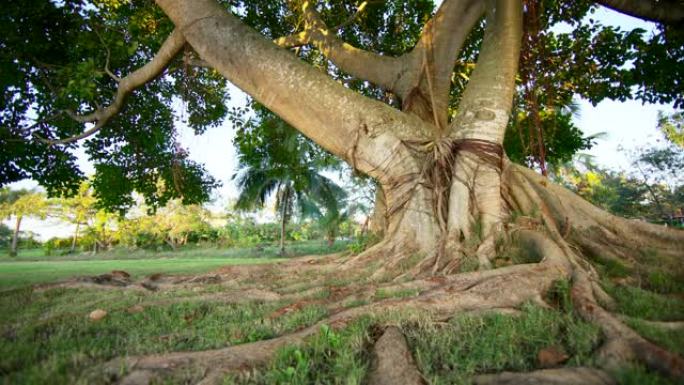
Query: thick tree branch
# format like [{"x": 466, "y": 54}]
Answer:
[
  {"x": 377, "y": 69},
  {"x": 438, "y": 48},
  {"x": 486, "y": 103},
  {"x": 663, "y": 11},
  {"x": 422, "y": 77},
  {"x": 173, "y": 44},
  {"x": 347, "y": 124}
]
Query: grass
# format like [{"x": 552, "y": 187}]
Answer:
[
  {"x": 316, "y": 247},
  {"x": 329, "y": 357},
  {"x": 23, "y": 273},
  {"x": 672, "y": 340},
  {"x": 48, "y": 338},
  {"x": 452, "y": 353},
  {"x": 660, "y": 273},
  {"x": 640, "y": 303},
  {"x": 637, "y": 375},
  {"x": 446, "y": 353},
  {"x": 399, "y": 293},
  {"x": 32, "y": 267}
]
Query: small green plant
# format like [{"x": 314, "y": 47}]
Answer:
[{"x": 362, "y": 243}]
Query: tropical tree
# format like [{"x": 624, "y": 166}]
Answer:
[
  {"x": 78, "y": 210},
  {"x": 21, "y": 204},
  {"x": 275, "y": 159},
  {"x": 660, "y": 167},
  {"x": 375, "y": 85}
]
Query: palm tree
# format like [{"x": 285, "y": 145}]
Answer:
[
  {"x": 298, "y": 190},
  {"x": 274, "y": 158}
]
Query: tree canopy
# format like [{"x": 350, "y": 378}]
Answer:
[{"x": 76, "y": 68}]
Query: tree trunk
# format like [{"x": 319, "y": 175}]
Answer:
[
  {"x": 282, "y": 232},
  {"x": 331, "y": 239},
  {"x": 378, "y": 223},
  {"x": 15, "y": 237},
  {"x": 75, "y": 237}
]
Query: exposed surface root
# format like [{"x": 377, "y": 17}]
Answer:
[
  {"x": 393, "y": 363},
  {"x": 563, "y": 376},
  {"x": 240, "y": 357},
  {"x": 593, "y": 229},
  {"x": 663, "y": 325},
  {"x": 623, "y": 344},
  {"x": 506, "y": 288}
]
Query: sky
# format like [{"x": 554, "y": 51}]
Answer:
[{"x": 626, "y": 125}]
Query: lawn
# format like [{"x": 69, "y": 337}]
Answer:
[
  {"x": 32, "y": 266},
  {"x": 22, "y": 273},
  {"x": 46, "y": 336}
]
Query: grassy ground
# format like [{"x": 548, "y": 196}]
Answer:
[
  {"x": 31, "y": 267},
  {"x": 47, "y": 337},
  {"x": 22, "y": 273}
]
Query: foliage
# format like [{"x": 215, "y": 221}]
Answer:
[
  {"x": 275, "y": 159},
  {"x": 22, "y": 203},
  {"x": 67, "y": 56},
  {"x": 173, "y": 225},
  {"x": 672, "y": 126},
  {"x": 55, "y": 58},
  {"x": 653, "y": 193},
  {"x": 363, "y": 242},
  {"x": 79, "y": 208},
  {"x": 5, "y": 235},
  {"x": 561, "y": 138}
]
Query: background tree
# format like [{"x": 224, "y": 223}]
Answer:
[
  {"x": 78, "y": 210},
  {"x": 21, "y": 204},
  {"x": 672, "y": 126},
  {"x": 275, "y": 159},
  {"x": 659, "y": 167}
]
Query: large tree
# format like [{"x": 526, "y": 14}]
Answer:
[{"x": 392, "y": 108}]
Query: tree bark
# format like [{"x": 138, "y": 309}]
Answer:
[
  {"x": 379, "y": 216},
  {"x": 75, "y": 237},
  {"x": 15, "y": 237},
  {"x": 284, "y": 201}
]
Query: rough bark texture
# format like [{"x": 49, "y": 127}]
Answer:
[{"x": 393, "y": 362}]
